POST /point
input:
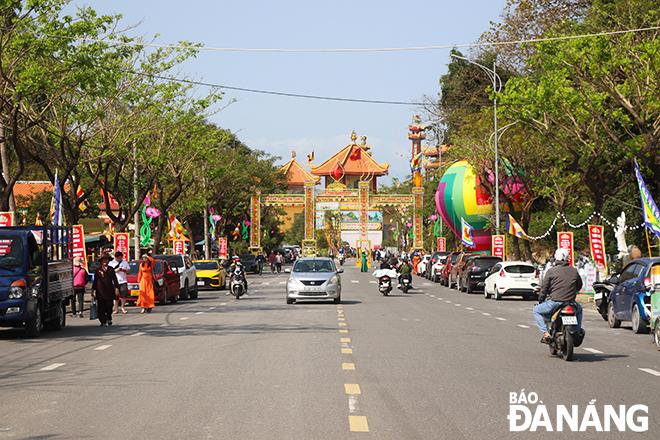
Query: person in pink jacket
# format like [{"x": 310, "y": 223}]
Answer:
[{"x": 79, "y": 282}]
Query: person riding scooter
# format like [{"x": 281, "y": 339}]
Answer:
[
  {"x": 404, "y": 271},
  {"x": 237, "y": 267},
  {"x": 561, "y": 284}
]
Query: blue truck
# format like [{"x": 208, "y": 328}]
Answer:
[{"x": 36, "y": 277}]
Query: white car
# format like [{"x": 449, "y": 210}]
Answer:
[
  {"x": 187, "y": 272},
  {"x": 512, "y": 278},
  {"x": 421, "y": 266},
  {"x": 436, "y": 268}
]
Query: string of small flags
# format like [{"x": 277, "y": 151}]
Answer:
[{"x": 554, "y": 222}]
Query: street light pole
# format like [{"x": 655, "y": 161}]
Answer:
[{"x": 497, "y": 86}]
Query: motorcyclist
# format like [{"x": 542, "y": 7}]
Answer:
[
  {"x": 561, "y": 284},
  {"x": 237, "y": 267},
  {"x": 404, "y": 271},
  {"x": 384, "y": 264}
]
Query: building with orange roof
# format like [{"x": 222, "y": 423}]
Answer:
[{"x": 25, "y": 191}]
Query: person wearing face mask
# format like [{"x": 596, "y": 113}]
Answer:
[{"x": 104, "y": 289}]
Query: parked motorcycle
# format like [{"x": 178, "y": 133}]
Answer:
[
  {"x": 563, "y": 330},
  {"x": 602, "y": 291},
  {"x": 236, "y": 284}
]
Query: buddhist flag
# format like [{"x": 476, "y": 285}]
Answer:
[
  {"x": 513, "y": 228},
  {"x": 416, "y": 163},
  {"x": 175, "y": 229},
  {"x": 651, "y": 212},
  {"x": 466, "y": 234},
  {"x": 83, "y": 205},
  {"x": 38, "y": 222}
]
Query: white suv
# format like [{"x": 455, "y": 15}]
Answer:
[{"x": 187, "y": 272}]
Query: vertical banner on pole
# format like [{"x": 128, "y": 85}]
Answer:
[
  {"x": 498, "y": 246},
  {"x": 597, "y": 242},
  {"x": 79, "y": 243},
  {"x": 255, "y": 225},
  {"x": 418, "y": 205},
  {"x": 442, "y": 245},
  {"x": 6, "y": 219},
  {"x": 122, "y": 243},
  {"x": 179, "y": 247},
  {"x": 565, "y": 241},
  {"x": 222, "y": 245},
  {"x": 363, "y": 196}
]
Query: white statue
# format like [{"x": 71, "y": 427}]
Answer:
[{"x": 620, "y": 235}]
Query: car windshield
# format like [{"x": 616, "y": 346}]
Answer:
[
  {"x": 454, "y": 258},
  {"x": 11, "y": 252},
  {"x": 519, "y": 268},
  {"x": 206, "y": 265},
  {"x": 313, "y": 266},
  {"x": 172, "y": 259},
  {"x": 135, "y": 267},
  {"x": 486, "y": 263},
  {"x": 247, "y": 257}
]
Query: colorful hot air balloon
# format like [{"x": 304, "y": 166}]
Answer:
[{"x": 459, "y": 195}]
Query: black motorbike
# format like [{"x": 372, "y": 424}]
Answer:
[
  {"x": 602, "y": 291},
  {"x": 563, "y": 330},
  {"x": 405, "y": 283},
  {"x": 385, "y": 284}
]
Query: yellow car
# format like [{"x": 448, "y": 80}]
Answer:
[{"x": 210, "y": 274}]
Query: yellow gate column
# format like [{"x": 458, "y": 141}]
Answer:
[
  {"x": 255, "y": 221},
  {"x": 309, "y": 244},
  {"x": 418, "y": 204}
]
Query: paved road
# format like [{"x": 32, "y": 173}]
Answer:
[{"x": 432, "y": 364}]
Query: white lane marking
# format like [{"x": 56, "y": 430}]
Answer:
[
  {"x": 523, "y": 326},
  {"x": 140, "y": 333},
  {"x": 352, "y": 403},
  {"x": 485, "y": 314},
  {"x": 282, "y": 282},
  {"x": 650, "y": 371},
  {"x": 199, "y": 313},
  {"x": 223, "y": 304},
  {"x": 448, "y": 302},
  {"x": 440, "y": 298},
  {"x": 469, "y": 308},
  {"x": 427, "y": 284},
  {"x": 501, "y": 319},
  {"x": 457, "y": 305},
  {"x": 594, "y": 351},
  {"x": 184, "y": 318},
  {"x": 355, "y": 281},
  {"x": 51, "y": 367},
  {"x": 211, "y": 308},
  {"x": 103, "y": 347},
  {"x": 432, "y": 296},
  {"x": 373, "y": 282}
]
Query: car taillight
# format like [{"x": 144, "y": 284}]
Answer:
[
  {"x": 433, "y": 261},
  {"x": 568, "y": 309},
  {"x": 502, "y": 273},
  {"x": 647, "y": 282},
  {"x": 536, "y": 273}
]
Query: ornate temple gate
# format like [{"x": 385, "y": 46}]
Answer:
[{"x": 362, "y": 196}]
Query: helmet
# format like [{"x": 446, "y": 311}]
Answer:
[
  {"x": 562, "y": 255},
  {"x": 235, "y": 258}
]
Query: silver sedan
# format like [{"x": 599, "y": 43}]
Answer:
[{"x": 313, "y": 278}]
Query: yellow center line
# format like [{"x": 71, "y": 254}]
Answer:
[
  {"x": 347, "y": 351},
  {"x": 345, "y": 339},
  {"x": 358, "y": 423},
  {"x": 341, "y": 319},
  {"x": 348, "y": 366},
  {"x": 343, "y": 331},
  {"x": 342, "y": 323},
  {"x": 352, "y": 388}
]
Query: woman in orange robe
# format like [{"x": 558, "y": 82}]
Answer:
[
  {"x": 146, "y": 280},
  {"x": 415, "y": 261}
]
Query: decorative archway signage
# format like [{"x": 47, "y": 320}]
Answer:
[{"x": 362, "y": 197}]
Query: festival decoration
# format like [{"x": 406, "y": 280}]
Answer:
[
  {"x": 148, "y": 214},
  {"x": 152, "y": 212},
  {"x": 237, "y": 232},
  {"x": 245, "y": 229},
  {"x": 459, "y": 196}
]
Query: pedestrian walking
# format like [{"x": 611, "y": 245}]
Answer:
[
  {"x": 146, "y": 280},
  {"x": 365, "y": 267},
  {"x": 271, "y": 260},
  {"x": 79, "y": 283},
  {"x": 105, "y": 288},
  {"x": 279, "y": 259},
  {"x": 260, "y": 261},
  {"x": 122, "y": 269}
]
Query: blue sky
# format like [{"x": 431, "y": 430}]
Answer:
[{"x": 278, "y": 124}]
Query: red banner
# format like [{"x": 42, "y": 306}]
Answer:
[
  {"x": 6, "y": 219},
  {"x": 179, "y": 247},
  {"x": 79, "y": 243},
  {"x": 597, "y": 241},
  {"x": 565, "y": 241},
  {"x": 222, "y": 244},
  {"x": 497, "y": 247},
  {"x": 122, "y": 244},
  {"x": 442, "y": 244}
]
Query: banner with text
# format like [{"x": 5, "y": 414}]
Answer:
[
  {"x": 179, "y": 247},
  {"x": 222, "y": 245},
  {"x": 6, "y": 219},
  {"x": 565, "y": 241},
  {"x": 597, "y": 241},
  {"x": 498, "y": 246},
  {"x": 122, "y": 244},
  {"x": 78, "y": 243},
  {"x": 442, "y": 244}
]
